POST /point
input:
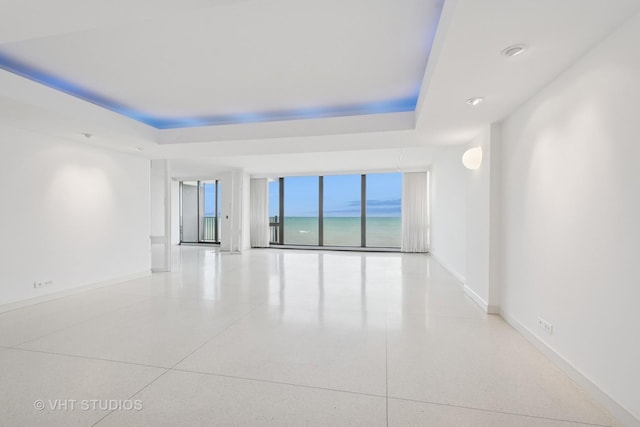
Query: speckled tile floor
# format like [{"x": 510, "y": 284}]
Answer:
[{"x": 280, "y": 338}]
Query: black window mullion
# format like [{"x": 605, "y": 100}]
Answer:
[
  {"x": 198, "y": 210},
  {"x": 180, "y": 202},
  {"x": 320, "y": 211},
  {"x": 363, "y": 211},
  {"x": 215, "y": 224},
  {"x": 281, "y": 209}
]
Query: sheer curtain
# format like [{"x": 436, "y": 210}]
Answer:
[
  {"x": 415, "y": 212},
  {"x": 259, "y": 207}
]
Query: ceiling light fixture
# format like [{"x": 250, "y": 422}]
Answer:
[
  {"x": 514, "y": 50},
  {"x": 472, "y": 158},
  {"x": 87, "y": 135},
  {"x": 475, "y": 101},
  {"x": 138, "y": 148}
]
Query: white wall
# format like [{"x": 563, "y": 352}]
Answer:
[
  {"x": 571, "y": 210},
  {"x": 226, "y": 185},
  {"x": 449, "y": 210},
  {"x": 157, "y": 196},
  {"x": 246, "y": 212},
  {"x": 71, "y": 213},
  {"x": 175, "y": 212}
]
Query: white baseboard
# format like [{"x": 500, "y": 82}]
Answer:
[
  {"x": 76, "y": 289},
  {"x": 489, "y": 309},
  {"x": 486, "y": 307},
  {"x": 617, "y": 410},
  {"x": 476, "y": 298},
  {"x": 447, "y": 267}
]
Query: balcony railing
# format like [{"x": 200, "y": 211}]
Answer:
[
  {"x": 209, "y": 228},
  {"x": 274, "y": 227}
]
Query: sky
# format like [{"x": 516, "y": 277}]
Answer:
[
  {"x": 341, "y": 195},
  {"x": 209, "y": 199}
]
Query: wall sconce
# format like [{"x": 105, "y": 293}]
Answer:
[{"x": 472, "y": 158}]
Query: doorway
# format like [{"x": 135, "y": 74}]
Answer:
[{"x": 200, "y": 203}]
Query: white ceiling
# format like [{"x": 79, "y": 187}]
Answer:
[
  {"x": 286, "y": 54},
  {"x": 235, "y": 58},
  {"x": 36, "y": 19},
  {"x": 467, "y": 62}
]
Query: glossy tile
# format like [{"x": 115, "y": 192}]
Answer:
[
  {"x": 214, "y": 276},
  {"x": 156, "y": 332},
  {"x": 405, "y": 413},
  {"x": 47, "y": 389},
  {"x": 329, "y": 349},
  {"x": 432, "y": 300},
  {"x": 326, "y": 281},
  {"x": 481, "y": 364},
  {"x": 31, "y": 322},
  {"x": 284, "y": 337},
  {"x": 182, "y": 398}
]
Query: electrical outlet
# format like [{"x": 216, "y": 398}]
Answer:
[
  {"x": 38, "y": 285},
  {"x": 546, "y": 326}
]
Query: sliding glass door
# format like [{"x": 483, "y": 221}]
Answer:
[
  {"x": 274, "y": 210},
  {"x": 209, "y": 212},
  {"x": 199, "y": 208}
]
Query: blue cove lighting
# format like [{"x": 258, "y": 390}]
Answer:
[{"x": 11, "y": 65}]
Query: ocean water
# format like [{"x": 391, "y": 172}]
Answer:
[{"x": 343, "y": 231}]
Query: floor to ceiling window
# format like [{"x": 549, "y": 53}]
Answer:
[
  {"x": 199, "y": 211},
  {"x": 274, "y": 210},
  {"x": 342, "y": 208},
  {"x": 300, "y": 219},
  {"x": 383, "y": 210},
  {"x": 337, "y": 210}
]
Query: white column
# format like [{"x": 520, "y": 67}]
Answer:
[
  {"x": 160, "y": 216},
  {"x": 482, "y": 251}
]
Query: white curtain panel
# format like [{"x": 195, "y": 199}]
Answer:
[
  {"x": 259, "y": 206},
  {"x": 415, "y": 212}
]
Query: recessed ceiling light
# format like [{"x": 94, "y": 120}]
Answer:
[
  {"x": 138, "y": 149},
  {"x": 514, "y": 50},
  {"x": 474, "y": 101},
  {"x": 87, "y": 135}
]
